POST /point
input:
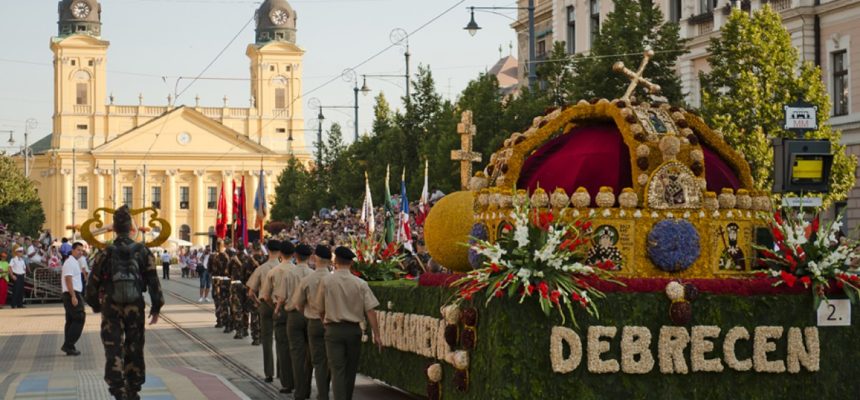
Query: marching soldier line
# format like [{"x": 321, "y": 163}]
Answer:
[{"x": 307, "y": 301}]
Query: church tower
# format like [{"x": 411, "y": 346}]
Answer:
[
  {"x": 276, "y": 77},
  {"x": 79, "y": 74}
]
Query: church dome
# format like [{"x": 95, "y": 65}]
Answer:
[
  {"x": 276, "y": 21},
  {"x": 79, "y": 17}
]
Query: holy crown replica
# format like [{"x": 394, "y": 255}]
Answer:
[{"x": 667, "y": 197}]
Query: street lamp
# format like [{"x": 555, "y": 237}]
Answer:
[{"x": 472, "y": 27}]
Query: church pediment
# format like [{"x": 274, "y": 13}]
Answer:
[
  {"x": 275, "y": 47},
  {"x": 182, "y": 131}
]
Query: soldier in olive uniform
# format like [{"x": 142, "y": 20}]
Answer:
[
  {"x": 218, "y": 266},
  {"x": 251, "y": 305},
  {"x": 344, "y": 300},
  {"x": 257, "y": 285},
  {"x": 120, "y": 274},
  {"x": 276, "y": 282},
  {"x": 305, "y": 301},
  {"x": 297, "y": 325}
]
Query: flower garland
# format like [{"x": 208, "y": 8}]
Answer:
[
  {"x": 538, "y": 257},
  {"x": 809, "y": 253}
]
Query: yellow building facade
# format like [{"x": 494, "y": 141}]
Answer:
[{"x": 173, "y": 157}]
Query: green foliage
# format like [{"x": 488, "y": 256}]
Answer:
[
  {"x": 512, "y": 360},
  {"x": 634, "y": 25},
  {"x": 291, "y": 193},
  {"x": 744, "y": 95},
  {"x": 20, "y": 206},
  {"x": 556, "y": 76}
]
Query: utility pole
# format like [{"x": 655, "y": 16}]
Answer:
[
  {"x": 143, "y": 188},
  {"x": 355, "y": 92},
  {"x": 74, "y": 184},
  {"x": 31, "y": 123},
  {"x": 114, "y": 185},
  {"x": 406, "y": 55}
]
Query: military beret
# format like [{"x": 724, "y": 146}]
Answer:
[
  {"x": 323, "y": 251},
  {"x": 344, "y": 253},
  {"x": 287, "y": 248},
  {"x": 304, "y": 250},
  {"x": 273, "y": 245}
]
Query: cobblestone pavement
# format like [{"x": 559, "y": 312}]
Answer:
[{"x": 186, "y": 357}]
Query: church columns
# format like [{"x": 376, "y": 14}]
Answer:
[
  {"x": 67, "y": 206},
  {"x": 98, "y": 180},
  {"x": 199, "y": 202},
  {"x": 168, "y": 200}
]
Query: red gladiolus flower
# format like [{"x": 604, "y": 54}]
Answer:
[
  {"x": 509, "y": 278},
  {"x": 805, "y": 281},
  {"x": 815, "y": 224},
  {"x": 577, "y": 224},
  {"x": 542, "y": 220},
  {"x": 495, "y": 268},
  {"x": 530, "y": 289},
  {"x": 507, "y": 227},
  {"x": 586, "y": 226},
  {"x": 777, "y": 235},
  {"x": 791, "y": 262},
  {"x": 777, "y": 216},
  {"x": 499, "y": 293},
  {"x": 543, "y": 288},
  {"x": 554, "y": 296},
  {"x": 575, "y": 296},
  {"x": 855, "y": 278},
  {"x": 767, "y": 254},
  {"x": 497, "y": 285},
  {"x": 840, "y": 284},
  {"x": 789, "y": 279}
]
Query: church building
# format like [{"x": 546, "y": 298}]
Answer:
[{"x": 172, "y": 157}]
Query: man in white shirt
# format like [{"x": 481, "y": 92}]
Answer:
[
  {"x": 19, "y": 271},
  {"x": 72, "y": 301},
  {"x": 165, "y": 265},
  {"x": 85, "y": 268}
]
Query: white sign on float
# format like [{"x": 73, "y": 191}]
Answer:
[
  {"x": 801, "y": 117},
  {"x": 834, "y": 313}
]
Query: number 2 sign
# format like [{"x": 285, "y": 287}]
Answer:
[{"x": 834, "y": 313}]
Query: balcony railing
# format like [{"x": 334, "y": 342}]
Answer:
[
  {"x": 82, "y": 109},
  {"x": 704, "y": 22}
]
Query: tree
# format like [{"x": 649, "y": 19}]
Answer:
[
  {"x": 556, "y": 76},
  {"x": 20, "y": 207},
  {"x": 483, "y": 98},
  {"x": 382, "y": 115},
  {"x": 291, "y": 197},
  {"x": 744, "y": 94},
  {"x": 627, "y": 31}
]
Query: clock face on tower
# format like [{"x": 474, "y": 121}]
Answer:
[
  {"x": 183, "y": 138},
  {"x": 279, "y": 17},
  {"x": 80, "y": 9}
]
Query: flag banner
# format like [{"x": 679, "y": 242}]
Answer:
[
  {"x": 235, "y": 220},
  {"x": 389, "y": 207},
  {"x": 260, "y": 205},
  {"x": 243, "y": 215},
  {"x": 424, "y": 202},
  {"x": 221, "y": 219},
  {"x": 367, "y": 217},
  {"x": 404, "y": 233}
]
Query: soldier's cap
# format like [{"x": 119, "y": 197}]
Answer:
[
  {"x": 273, "y": 245},
  {"x": 344, "y": 253},
  {"x": 304, "y": 250},
  {"x": 287, "y": 248},
  {"x": 323, "y": 251}
]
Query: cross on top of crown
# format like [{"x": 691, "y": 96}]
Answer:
[{"x": 636, "y": 78}]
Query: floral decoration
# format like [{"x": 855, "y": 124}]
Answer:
[
  {"x": 434, "y": 381},
  {"x": 810, "y": 254},
  {"x": 540, "y": 258},
  {"x": 376, "y": 261},
  {"x": 479, "y": 232},
  {"x": 673, "y": 245}
]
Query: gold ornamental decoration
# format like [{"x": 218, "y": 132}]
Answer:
[{"x": 95, "y": 226}]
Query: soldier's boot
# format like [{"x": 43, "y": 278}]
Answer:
[
  {"x": 255, "y": 342},
  {"x": 238, "y": 334},
  {"x": 227, "y": 328},
  {"x": 118, "y": 393}
]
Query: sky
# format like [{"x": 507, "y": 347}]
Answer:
[{"x": 154, "y": 42}]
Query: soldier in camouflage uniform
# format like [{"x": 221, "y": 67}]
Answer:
[
  {"x": 250, "y": 302},
  {"x": 123, "y": 324},
  {"x": 241, "y": 267},
  {"x": 218, "y": 267}
]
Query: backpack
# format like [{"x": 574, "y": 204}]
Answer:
[{"x": 125, "y": 277}]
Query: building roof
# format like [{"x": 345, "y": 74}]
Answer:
[
  {"x": 505, "y": 72},
  {"x": 276, "y": 20},
  {"x": 42, "y": 145}
]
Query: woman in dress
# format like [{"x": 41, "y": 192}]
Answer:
[
  {"x": 54, "y": 259},
  {"x": 4, "y": 278}
]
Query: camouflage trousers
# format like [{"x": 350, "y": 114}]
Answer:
[
  {"x": 216, "y": 299},
  {"x": 238, "y": 300},
  {"x": 123, "y": 339},
  {"x": 224, "y": 314}
]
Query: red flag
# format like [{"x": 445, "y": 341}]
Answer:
[
  {"x": 243, "y": 214},
  {"x": 235, "y": 192},
  {"x": 221, "y": 219}
]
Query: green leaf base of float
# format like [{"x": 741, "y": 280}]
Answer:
[{"x": 512, "y": 359}]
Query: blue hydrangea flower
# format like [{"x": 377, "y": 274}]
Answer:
[
  {"x": 479, "y": 232},
  {"x": 673, "y": 245}
]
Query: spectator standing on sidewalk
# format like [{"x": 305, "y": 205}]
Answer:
[
  {"x": 73, "y": 302},
  {"x": 165, "y": 265},
  {"x": 4, "y": 278},
  {"x": 65, "y": 249},
  {"x": 85, "y": 268},
  {"x": 203, "y": 274},
  {"x": 19, "y": 271}
]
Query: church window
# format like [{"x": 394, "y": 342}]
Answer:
[
  {"x": 127, "y": 193},
  {"x": 211, "y": 197},
  {"x": 280, "y": 98},
  {"x": 82, "y": 198},
  {"x": 82, "y": 127},
  {"x": 156, "y": 196},
  {"x": 272, "y": 68},
  {"x": 595, "y": 19},
  {"x": 82, "y": 28},
  {"x": 279, "y": 35},
  {"x": 184, "y": 195},
  {"x": 281, "y": 130},
  {"x": 81, "y": 94},
  {"x": 90, "y": 62},
  {"x": 74, "y": 63},
  {"x": 185, "y": 232}
]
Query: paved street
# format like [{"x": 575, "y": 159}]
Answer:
[{"x": 186, "y": 356}]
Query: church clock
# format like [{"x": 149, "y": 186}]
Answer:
[
  {"x": 279, "y": 17},
  {"x": 80, "y": 9}
]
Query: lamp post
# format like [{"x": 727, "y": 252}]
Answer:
[
  {"x": 320, "y": 118},
  {"x": 30, "y": 124},
  {"x": 366, "y": 89},
  {"x": 75, "y": 180},
  {"x": 11, "y": 140},
  {"x": 401, "y": 37},
  {"x": 350, "y": 76},
  {"x": 472, "y": 27}
]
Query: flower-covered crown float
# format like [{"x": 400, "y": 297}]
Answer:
[{"x": 666, "y": 196}]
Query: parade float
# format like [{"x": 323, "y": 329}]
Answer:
[{"x": 617, "y": 249}]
